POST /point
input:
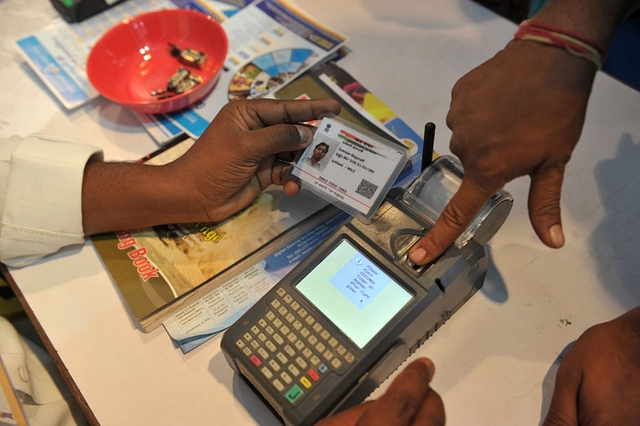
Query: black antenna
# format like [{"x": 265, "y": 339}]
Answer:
[{"x": 427, "y": 148}]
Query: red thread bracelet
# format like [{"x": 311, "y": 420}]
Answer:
[{"x": 573, "y": 43}]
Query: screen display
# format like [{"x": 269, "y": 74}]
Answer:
[{"x": 354, "y": 293}]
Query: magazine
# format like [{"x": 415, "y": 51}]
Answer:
[{"x": 157, "y": 269}]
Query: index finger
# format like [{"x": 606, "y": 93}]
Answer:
[
  {"x": 269, "y": 112},
  {"x": 454, "y": 220}
]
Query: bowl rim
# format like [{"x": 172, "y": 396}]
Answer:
[{"x": 144, "y": 104}]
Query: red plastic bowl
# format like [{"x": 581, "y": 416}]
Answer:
[{"x": 134, "y": 58}]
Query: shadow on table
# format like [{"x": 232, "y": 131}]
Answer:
[
  {"x": 615, "y": 243},
  {"x": 494, "y": 288}
]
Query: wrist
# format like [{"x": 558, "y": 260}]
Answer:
[
  {"x": 553, "y": 72},
  {"x": 118, "y": 196},
  {"x": 551, "y": 35},
  {"x": 593, "y": 19}
]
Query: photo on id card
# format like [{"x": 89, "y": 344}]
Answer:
[{"x": 349, "y": 166}]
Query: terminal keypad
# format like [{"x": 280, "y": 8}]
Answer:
[{"x": 291, "y": 349}]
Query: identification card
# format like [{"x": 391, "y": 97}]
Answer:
[{"x": 349, "y": 166}]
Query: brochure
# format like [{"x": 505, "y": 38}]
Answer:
[
  {"x": 58, "y": 54},
  {"x": 271, "y": 42}
]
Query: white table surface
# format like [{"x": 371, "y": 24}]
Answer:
[{"x": 495, "y": 358}]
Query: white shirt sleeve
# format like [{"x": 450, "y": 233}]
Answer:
[
  {"x": 40, "y": 196},
  {"x": 39, "y": 388}
]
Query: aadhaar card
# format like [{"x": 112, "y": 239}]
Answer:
[{"x": 350, "y": 166}]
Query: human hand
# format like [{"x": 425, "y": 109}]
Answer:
[
  {"x": 598, "y": 382},
  {"x": 520, "y": 113},
  {"x": 246, "y": 148},
  {"x": 408, "y": 401}
]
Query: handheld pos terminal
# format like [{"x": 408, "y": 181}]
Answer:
[{"x": 353, "y": 310}]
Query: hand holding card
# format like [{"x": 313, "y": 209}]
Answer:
[{"x": 348, "y": 166}]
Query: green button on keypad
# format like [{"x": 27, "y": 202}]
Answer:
[{"x": 294, "y": 393}]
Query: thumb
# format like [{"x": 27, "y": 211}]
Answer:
[
  {"x": 278, "y": 138},
  {"x": 544, "y": 206},
  {"x": 563, "y": 409},
  {"x": 454, "y": 220}
]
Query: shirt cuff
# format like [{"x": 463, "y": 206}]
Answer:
[{"x": 43, "y": 205}]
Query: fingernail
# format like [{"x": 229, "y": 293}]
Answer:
[
  {"x": 305, "y": 135},
  {"x": 418, "y": 255},
  {"x": 429, "y": 364},
  {"x": 556, "y": 235}
]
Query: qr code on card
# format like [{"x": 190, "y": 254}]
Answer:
[{"x": 366, "y": 189}]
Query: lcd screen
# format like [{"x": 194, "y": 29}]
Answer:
[{"x": 354, "y": 293}]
